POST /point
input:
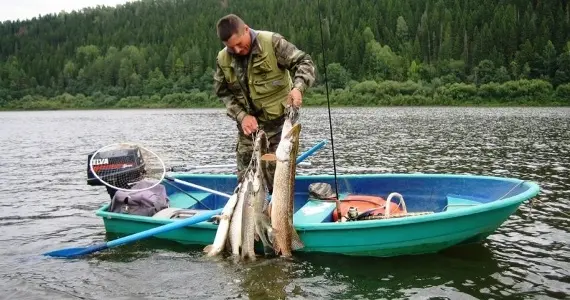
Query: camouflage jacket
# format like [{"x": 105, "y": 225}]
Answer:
[{"x": 288, "y": 56}]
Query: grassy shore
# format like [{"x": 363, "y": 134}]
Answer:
[{"x": 355, "y": 94}]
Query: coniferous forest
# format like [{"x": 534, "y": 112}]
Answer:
[{"x": 161, "y": 53}]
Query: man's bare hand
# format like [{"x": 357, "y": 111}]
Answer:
[
  {"x": 295, "y": 97},
  {"x": 249, "y": 124}
]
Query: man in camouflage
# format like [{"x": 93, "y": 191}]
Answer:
[{"x": 252, "y": 79}]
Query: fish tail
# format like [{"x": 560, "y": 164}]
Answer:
[
  {"x": 244, "y": 254},
  {"x": 286, "y": 253},
  {"x": 276, "y": 248},
  {"x": 276, "y": 243},
  {"x": 249, "y": 254},
  {"x": 296, "y": 242}
]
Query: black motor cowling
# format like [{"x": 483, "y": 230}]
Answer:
[{"x": 127, "y": 162}]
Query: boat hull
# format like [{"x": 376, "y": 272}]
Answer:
[{"x": 417, "y": 234}]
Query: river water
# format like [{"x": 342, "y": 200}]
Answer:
[{"x": 47, "y": 205}]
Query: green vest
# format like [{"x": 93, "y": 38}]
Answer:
[{"x": 268, "y": 85}]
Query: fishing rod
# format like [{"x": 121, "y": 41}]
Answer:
[{"x": 327, "y": 92}]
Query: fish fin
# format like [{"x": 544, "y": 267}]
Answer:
[
  {"x": 268, "y": 251},
  {"x": 276, "y": 250},
  {"x": 271, "y": 236},
  {"x": 227, "y": 244},
  {"x": 269, "y": 157},
  {"x": 208, "y": 248},
  {"x": 296, "y": 242}
]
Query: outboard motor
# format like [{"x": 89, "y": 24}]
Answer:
[{"x": 128, "y": 161}]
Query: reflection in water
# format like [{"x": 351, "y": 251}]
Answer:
[
  {"x": 142, "y": 249},
  {"x": 45, "y": 204},
  {"x": 401, "y": 277},
  {"x": 295, "y": 278},
  {"x": 268, "y": 279}
]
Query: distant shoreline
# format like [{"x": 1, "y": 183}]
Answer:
[
  {"x": 520, "y": 93},
  {"x": 482, "y": 105}
]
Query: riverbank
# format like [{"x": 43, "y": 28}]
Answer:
[
  {"x": 548, "y": 103},
  {"x": 355, "y": 94}
]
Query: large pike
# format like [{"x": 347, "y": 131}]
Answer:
[
  {"x": 285, "y": 238},
  {"x": 248, "y": 223},
  {"x": 256, "y": 223}
]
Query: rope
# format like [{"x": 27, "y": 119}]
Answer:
[
  {"x": 397, "y": 215},
  {"x": 516, "y": 185}
]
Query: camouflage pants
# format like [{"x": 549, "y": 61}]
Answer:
[{"x": 244, "y": 150}]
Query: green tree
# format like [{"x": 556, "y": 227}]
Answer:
[
  {"x": 402, "y": 31},
  {"x": 338, "y": 76},
  {"x": 485, "y": 72},
  {"x": 549, "y": 57},
  {"x": 562, "y": 74}
]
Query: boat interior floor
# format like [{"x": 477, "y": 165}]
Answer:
[{"x": 187, "y": 204}]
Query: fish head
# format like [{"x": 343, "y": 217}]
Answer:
[
  {"x": 286, "y": 150},
  {"x": 291, "y": 117},
  {"x": 292, "y": 113},
  {"x": 260, "y": 148},
  {"x": 260, "y": 142},
  {"x": 295, "y": 132}
]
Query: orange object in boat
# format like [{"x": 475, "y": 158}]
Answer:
[{"x": 364, "y": 203}]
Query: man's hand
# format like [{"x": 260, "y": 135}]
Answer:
[
  {"x": 295, "y": 97},
  {"x": 249, "y": 124}
]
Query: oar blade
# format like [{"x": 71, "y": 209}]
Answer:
[{"x": 77, "y": 251}]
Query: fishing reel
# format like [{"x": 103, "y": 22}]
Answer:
[{"x": 352, "y": 214}]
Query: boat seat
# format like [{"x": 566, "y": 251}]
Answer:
[
  {"x": 314, "y": 211},
  {"x": 455, "y": 202},
  {"x": 183, "y": 200},
  {"x": 176, "y": 213}
]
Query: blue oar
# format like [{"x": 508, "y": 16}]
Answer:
[
  {"x": 80, "y": 251},
  {"x": 310, "y": 152}
]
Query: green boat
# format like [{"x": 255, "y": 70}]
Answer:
[{"x": 415, "y": 213}]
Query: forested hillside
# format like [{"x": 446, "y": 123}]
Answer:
[{"x": 161, "y": 53}]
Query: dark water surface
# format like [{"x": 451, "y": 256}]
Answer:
[{"x": 45, "y": 204}]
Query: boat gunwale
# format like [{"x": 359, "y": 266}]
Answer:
[{"x": 532, "y": 191}]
